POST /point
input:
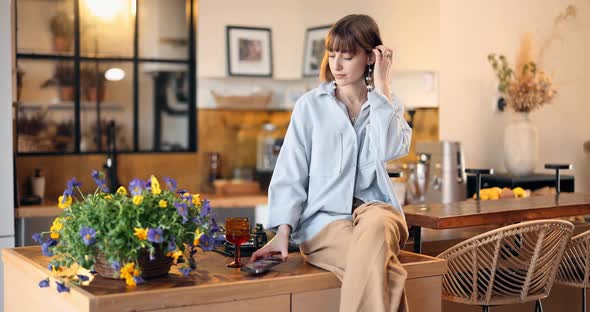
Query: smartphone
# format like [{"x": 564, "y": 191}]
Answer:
[{"x": 261, "y": 265}]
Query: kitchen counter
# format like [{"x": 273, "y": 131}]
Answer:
[
  {"x": 291, "y": 286},
  {"x": 51, "y": 209}
]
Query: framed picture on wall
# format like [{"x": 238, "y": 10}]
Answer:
[
  {"x": 314, "y": 50},
  {"x": 249, "y": 51}
]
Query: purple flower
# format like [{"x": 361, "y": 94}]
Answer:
[
  {"x": 206, "y": 209},
  {"x": 69, "y": 191},
  {"x": 147, "y": 184},
  {"x": 61, "y": 287},
  {"x": 182, "y": 210},
  {"x": 155, "y": 235},
  {"x": 213, "y": 226},
  {"x": 135, "y": 187},
  {"x": 45, "y": 247},
  {"x": 185, "y": 271},
  {"x": 83, "y": 278},
  {"x": 88, "y": 235},
  {"x": 52, "y": 267},
  {"x": 181, "y": 191},
  {"x": 37, "y": 238},
  {"x": 138, "y": 280},
  {"x": 99, "y": 180},
  {"x": 171, "y": 245},
  {"x": 116, "y": 266},
  {"x": 44, "y": 283},
  {"x": 170, "y": 184},
  {"x": 219, "y": 239},
  {"x": 188, "y": 197},
  {"x": 206, "y": 242}
]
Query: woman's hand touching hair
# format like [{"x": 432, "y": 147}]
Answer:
[{"x": 382, "y": 71}]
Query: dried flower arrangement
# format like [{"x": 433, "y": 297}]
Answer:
[{"x": 527, "y": 87}]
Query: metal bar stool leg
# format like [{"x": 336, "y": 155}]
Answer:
[
  {"x": 418, "y": 239},
  {"x": 538, "y": 306},
  {"x": 485, "y": 308},
  {"x": 583, "y": 299}
]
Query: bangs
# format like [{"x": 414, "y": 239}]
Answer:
[{"x": 341, "y": 41}]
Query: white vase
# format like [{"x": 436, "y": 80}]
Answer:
[{"x": 520, "y": 145}]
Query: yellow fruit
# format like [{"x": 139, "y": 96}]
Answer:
[{"x": 519, "y": 192}]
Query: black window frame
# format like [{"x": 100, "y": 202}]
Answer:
[{"x": 136, "y": 61}]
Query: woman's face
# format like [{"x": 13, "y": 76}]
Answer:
[{"x": 346, "y": 67}]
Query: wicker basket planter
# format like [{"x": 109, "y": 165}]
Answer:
[{"x": 157, "y": 267}]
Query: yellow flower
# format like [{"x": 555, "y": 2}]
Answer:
[
  {"x": 198, "y": 235},
  {"x": 137, "y": 199},
  {"x": 136, "y": 272},
  {"x": 174, "y": 255},
  {"x": 127, "y": 270},
  {"x": 163, "y": 203},
  {"x": 108, "y": 196},
  {"x": 55, "y": 269},
  {"x": 121, "y": 190},
  {"x": 130, "y": 281},
  {"x": 155, "y": 186},
  {"x": 140, "y": 233},
  {"x": 196, "y": 199},
  {"x": 56, "y": 226},
  {"x": 66, "y": 204}
]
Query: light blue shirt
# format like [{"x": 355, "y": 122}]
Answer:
[{"x": 325, "y": 160}]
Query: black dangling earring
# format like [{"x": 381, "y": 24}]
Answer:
[{"x": 369, "y": 79}]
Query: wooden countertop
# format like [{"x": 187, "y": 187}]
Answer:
[
  {"x": 471, "y": 213},
  {"x": 211, "y": 282},
  {"x": 51, "y": 210}
]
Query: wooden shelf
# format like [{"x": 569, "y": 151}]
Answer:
[
  {"x": 67, "y": 106},
  {"x": 50, "y": 209}
]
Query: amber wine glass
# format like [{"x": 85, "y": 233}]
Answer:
[{"x": 237, "y": 232}]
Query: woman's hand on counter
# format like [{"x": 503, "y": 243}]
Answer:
[{"x": 277, "y": 245}]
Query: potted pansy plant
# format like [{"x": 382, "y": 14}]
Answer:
[{"x": 134, "y": 233}]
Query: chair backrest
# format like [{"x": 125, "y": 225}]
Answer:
[
  {"x": 574, "y": 269},
  {"x": 512, "y": 264}
]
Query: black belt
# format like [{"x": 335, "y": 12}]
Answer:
[{"x": 356, "y": 202}]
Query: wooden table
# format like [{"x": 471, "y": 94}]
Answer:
[
  {"x": 291, "y": 286},
  {"x": 493, "y": 212}
]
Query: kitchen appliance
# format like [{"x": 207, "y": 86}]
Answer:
[
  {"x": 7, "y": 180},
  {"x": 440, "y": 172},
  {"x": 269, "y": 143}
]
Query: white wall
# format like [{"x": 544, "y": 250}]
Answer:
[
  {"x": 469, "y": 30},
  {"x": 410, "y": 27},
  {"x": 281, "y": 16},
  {"x": 6, "y": 166}
]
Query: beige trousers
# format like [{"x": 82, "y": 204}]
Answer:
[{"x": 362, "y": 253}]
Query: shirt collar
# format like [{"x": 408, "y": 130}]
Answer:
[{"x": 326, "y": 88}]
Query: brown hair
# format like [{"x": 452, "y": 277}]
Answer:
[{"x": 350, "y": 33}]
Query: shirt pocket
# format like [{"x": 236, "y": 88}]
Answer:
[{"x": 326, "y": 155}]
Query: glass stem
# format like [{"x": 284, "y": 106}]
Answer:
[{"x": 237, "y": 253}]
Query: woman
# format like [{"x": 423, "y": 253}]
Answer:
[{"x": 330, "y": 191}]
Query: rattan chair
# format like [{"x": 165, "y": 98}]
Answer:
[
  {"x": 512, "y": 264},
  {"x": 574, "y": 269}
]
